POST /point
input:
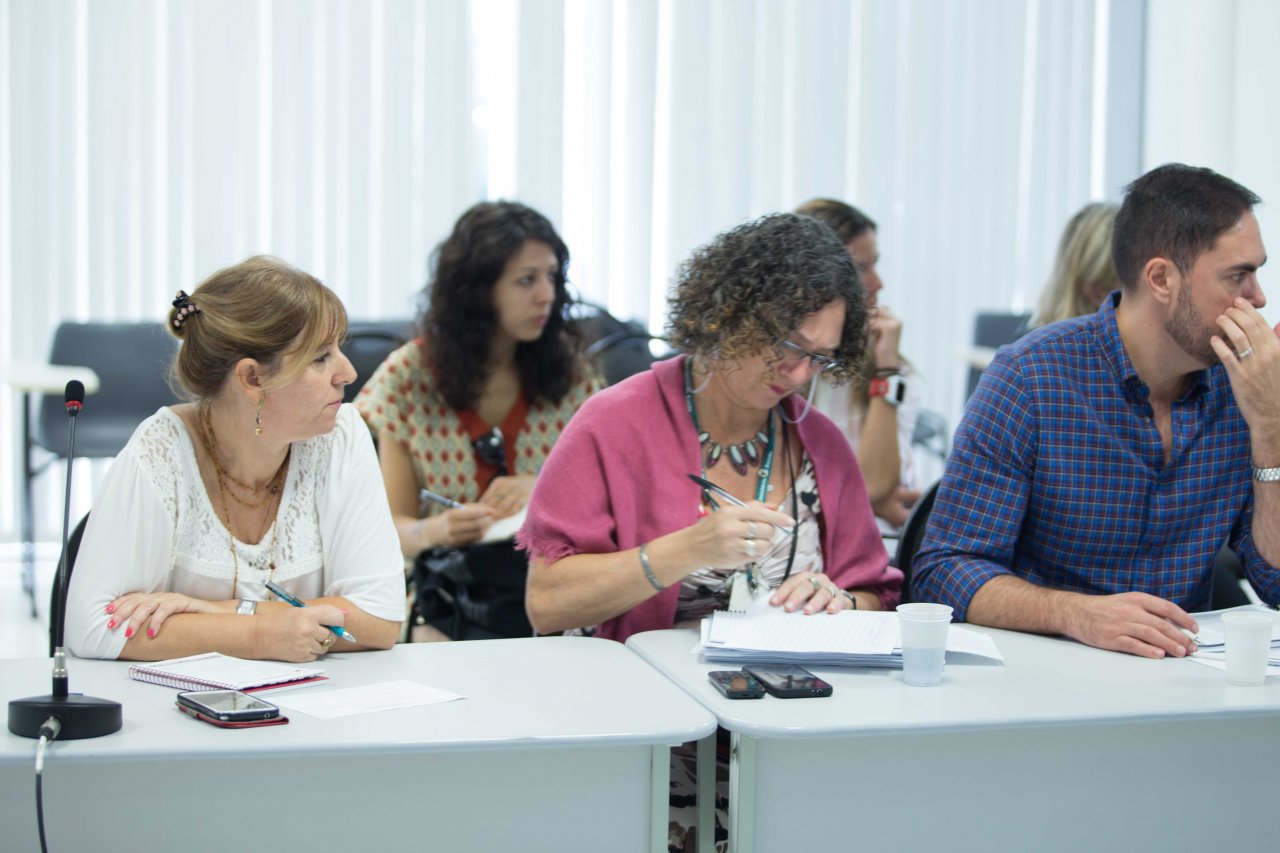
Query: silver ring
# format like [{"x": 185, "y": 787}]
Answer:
[
  {"x": 817, "y": 584},
  {"x": 751, "y": 547},
  {"x": 1245, "y": 353},
  {"x": 751, "y": 530},
  {"x": 833, "y": 591}
]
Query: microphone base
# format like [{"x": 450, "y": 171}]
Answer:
[{"x": 81, "y": 716}]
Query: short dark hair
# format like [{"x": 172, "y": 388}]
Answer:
[
  {"x": 750, "y": 287},
  {"x": 1174, "y": 211},
  {"x": 458, "y": 319}
]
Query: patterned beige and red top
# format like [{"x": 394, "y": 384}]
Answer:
[{"x": 401, "y": 398}]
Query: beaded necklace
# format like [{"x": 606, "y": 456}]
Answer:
[
  {"x": 766, "y": 460},
  {"x": 272, "y": 487}
]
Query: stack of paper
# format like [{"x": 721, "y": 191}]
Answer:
[
  {"x": 847, "y": 638},
  {"x": 1212, "y": 642}
]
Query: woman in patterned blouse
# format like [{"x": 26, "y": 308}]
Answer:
[{"x": 471, "y": 408}]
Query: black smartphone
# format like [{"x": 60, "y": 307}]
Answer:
[
  {"x": 736, "y": 684},
  {"x": 227, "y": 706},
  {"x": 788, "y": 681}
]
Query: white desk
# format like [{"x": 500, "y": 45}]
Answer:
[
  {"x": 562, "y": 744},
  {"x": 1063, "y": 748}
]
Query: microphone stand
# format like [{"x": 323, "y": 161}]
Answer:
[{"x": 61, "y": 714}]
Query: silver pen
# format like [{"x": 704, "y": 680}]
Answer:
[{"x": 428, "y": 495}]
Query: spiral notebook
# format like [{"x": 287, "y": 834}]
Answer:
[{"x": 214, "y": 671}]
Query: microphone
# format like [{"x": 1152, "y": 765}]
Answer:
[{"x": 66, "y": 715}]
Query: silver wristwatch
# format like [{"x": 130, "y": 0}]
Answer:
[
  {"x": 1266, "y": 475},
  {"x": 247, "y": 607}
]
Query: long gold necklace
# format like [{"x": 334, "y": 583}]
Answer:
[{"x": 272, "y": 487}]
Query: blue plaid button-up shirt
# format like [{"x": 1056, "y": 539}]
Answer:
[{"x": 1058, "y": 476}]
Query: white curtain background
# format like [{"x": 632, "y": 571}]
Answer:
[{"x": 146, "y": 143}]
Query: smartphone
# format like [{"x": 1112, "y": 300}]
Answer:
[
  {"x": 788, "y": 681},
  {"x": 736, "y": 684},
  {"x": 231, "y": 724},
  {"x": 227, "y": 706}
]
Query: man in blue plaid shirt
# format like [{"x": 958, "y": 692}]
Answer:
[{"x": 1104, "y": 460}]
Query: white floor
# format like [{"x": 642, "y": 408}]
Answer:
[{"x": 20, "y": 635}]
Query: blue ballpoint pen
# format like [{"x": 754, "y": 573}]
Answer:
[{"x": 284, "y": 596}]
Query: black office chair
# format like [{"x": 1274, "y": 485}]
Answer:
[
  {"x": 132, "y": 362},
  {"x": 73, "y": 549},
  {"x": 617, "y": 348},
  {"x": 1227, "y": 576},
  {"x": 994, "y": 329},
  {"x": 912, "y": 537},
  {"x": 368, "y": 344}
]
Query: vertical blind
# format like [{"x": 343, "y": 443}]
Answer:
[{"x": 145, "y": 144}]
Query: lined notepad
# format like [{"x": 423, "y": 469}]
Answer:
[{"x": 214, "y": 671}]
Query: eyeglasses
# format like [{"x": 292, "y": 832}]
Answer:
[
  {"x": 791, "y": 355},
  {"x": 492, "y": 450}
]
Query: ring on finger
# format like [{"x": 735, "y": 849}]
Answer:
[
  {"x": 1244, "y": 353},
  {"x": 329, "y": 639},
  {"x": 750, "y": 548},
  {"x": 817, "y": 584},
  {"x": 751, "y": 530}
]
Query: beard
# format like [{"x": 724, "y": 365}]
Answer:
[{"x": 1189, "y": 331}]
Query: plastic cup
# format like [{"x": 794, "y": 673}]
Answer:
[
  {"x": 924, "y": 642},
  {"x": 1248, "y": 636}
]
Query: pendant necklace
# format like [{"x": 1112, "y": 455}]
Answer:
[{"x": 742, "y": 585}]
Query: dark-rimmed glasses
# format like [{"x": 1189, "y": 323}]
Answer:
[{"x": 791, "y": 355}]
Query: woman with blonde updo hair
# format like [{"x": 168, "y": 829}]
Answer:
[
  {"x": 1083, "y": 273},
  {"x": 264, "y": 475}
]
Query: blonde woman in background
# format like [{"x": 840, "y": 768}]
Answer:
[
  {"x": 1083, "y": 274},
  {"x": 877, "y": 411}
]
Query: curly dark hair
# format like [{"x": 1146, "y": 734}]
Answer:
[
  {"x": 750, "y": 287},
  {"x": 457, "y": 318}
]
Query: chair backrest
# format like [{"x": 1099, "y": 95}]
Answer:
[
  {"x": 994, "y": 329},
  {"x": 368, "y": 344},
  {"x": 912, "y": 536},
  {"x": 132, "y": 362},
  {"x": 58, "y": 605},
  {"x": 1227, "y": 574},
  {"x": 617, "y": 348}
]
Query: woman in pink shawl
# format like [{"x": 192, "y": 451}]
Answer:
[{"x": 622, "y": 540}]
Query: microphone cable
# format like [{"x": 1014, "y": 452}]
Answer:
[{"x": 49, "y": 732}]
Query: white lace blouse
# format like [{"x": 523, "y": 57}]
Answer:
[{"x": 153, "y": 528}]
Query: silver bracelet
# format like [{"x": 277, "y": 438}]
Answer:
[
  {"x": 851, "y": 598},
  {"x": 648, "y": 569}
]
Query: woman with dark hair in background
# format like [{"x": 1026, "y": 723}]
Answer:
[
  {"x": 470, "y": 410},
  {"x": 879, "y": 409},
  {"x": 263, "y": 476}
]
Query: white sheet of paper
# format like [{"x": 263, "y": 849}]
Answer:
[
  {"x": 366, "y": 699},
  {"x": 505, "y": 528},
  {"x": 1219, "y": 661}
]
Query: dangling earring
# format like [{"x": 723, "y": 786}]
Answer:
[{"x": 257, "y": 418}]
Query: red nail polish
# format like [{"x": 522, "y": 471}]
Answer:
[
  {"x": 111, "y": 624},
  {"x": 151, "y": 633},
  {"x": 111, "y": 608},
  {"x": 128, "y": 632}
]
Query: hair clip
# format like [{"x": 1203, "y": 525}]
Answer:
[{"x": 185, "y": 307}]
